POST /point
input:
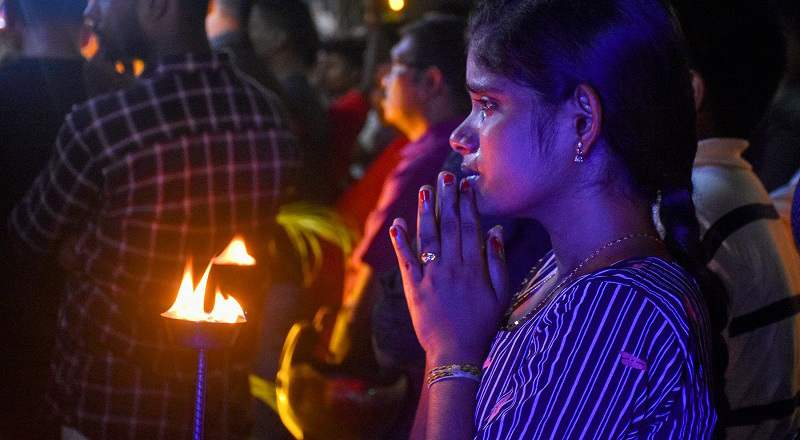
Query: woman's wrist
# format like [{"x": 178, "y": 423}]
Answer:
[
  {"x": 453, "y": 357},
  {"x": 454, "y": 371}
]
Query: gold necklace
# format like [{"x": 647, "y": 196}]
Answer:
[
  {"x": 529, "y": 290},
  {"x": 544, "y": 300}
]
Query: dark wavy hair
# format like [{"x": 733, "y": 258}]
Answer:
[
  {"x": 438, "y": 40},
  {"x": 294, "y": 18},
  {"x": 633, "y": 54}
]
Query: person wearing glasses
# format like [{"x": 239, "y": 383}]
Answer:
[{"x": 424, "y": 98}]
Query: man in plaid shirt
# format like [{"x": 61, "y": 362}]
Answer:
[{"x": 167, "y": 169}]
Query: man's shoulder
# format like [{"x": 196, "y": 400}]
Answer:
[
  {"x": 213, "y": 85},
  {"x": 719, "y": 190},
  {"x": 182, "y": 102},
  {"x": 95, "y": 110}
]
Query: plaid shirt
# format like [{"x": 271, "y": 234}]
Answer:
[{"x": 147, "y": 177}]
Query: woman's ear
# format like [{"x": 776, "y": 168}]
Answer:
[
  {"x": 432, "y": 81},
  {"x": 588, "y": 117}
]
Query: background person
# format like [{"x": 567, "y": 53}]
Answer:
[
  {"x": 170, "y": 168},
  {"x": 339, "y": 67},
  {"x": 285, "y": 38},
  {"x": 425, "y": 99},
  {"x": 226, "y": 26},
  {"x": 37, "y": 89},
  {"x": 345, "y": 80},
  {"x": 773, "y": 145},
  {"x": 746, "y": 243}
]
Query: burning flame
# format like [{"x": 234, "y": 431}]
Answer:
[
  {"x": 189, "y": 304},
  {"x": 235, "y": 254}
]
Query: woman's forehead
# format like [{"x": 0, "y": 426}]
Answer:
[{"x": 481, "y": 79}]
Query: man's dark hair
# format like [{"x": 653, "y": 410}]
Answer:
[
  {"x": 294, "y": 18},
  {"x": 194, "y": 10},
  {"x": 350, "y": 48},
  {"x": 32, "y": 12},
  {"x": 438, "y": 40},
  {"x": 235, "y": 8},
  {"x": 739, "y": 50},
  {"x": 788, "y": 12}
]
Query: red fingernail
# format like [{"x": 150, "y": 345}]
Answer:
[
  {"x": 497, "y": 246},
  {"x": 464, "y": 185},
  {"x": 393, "y": 231},
  {"x": 448, "y": 178},
  {"x": 424, "y": 195}
]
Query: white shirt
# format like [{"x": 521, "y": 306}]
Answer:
[
  {"x": 759, "y": 266},
  {"x": 782, "y": 198}
]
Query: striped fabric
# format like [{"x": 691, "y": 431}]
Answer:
[
  {"x": 147, "y": 177},
  {"x": 618, "y": 354}
]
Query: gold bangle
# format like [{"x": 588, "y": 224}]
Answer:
[
  {"x": 467, "y": 371},
  {"x": 469, "y": 368}
]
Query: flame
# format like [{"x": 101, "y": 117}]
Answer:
[
  {"x": 189, "y": 304},
  {"x": 235, "y": 254}
]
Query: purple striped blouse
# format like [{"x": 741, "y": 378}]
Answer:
[{"x": 618, "y": 354}]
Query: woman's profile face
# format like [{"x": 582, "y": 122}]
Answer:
[{"x": 514, "y": 175}]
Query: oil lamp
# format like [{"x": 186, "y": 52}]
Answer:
[{"x": 190, "y": 326}]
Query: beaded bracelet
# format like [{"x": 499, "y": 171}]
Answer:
[{"x": 455, "y": 371}]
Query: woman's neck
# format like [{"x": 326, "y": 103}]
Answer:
[{"x": 591, "y": 241}]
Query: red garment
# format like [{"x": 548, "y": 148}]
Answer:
[
  {"x": 346, "y": 117},
  {"x": 420, "y": 163},
  {"x": 360, "y": 199}
]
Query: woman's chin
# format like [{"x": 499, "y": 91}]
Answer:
[
  {"x": 485, "y": 206},
  {"x": 486, "y": 200},
  {"x": 489, "y": 205}
]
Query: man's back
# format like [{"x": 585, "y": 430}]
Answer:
[
  {"x": 759, "y": 265},
  {"x": 163, "y": 171}
]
